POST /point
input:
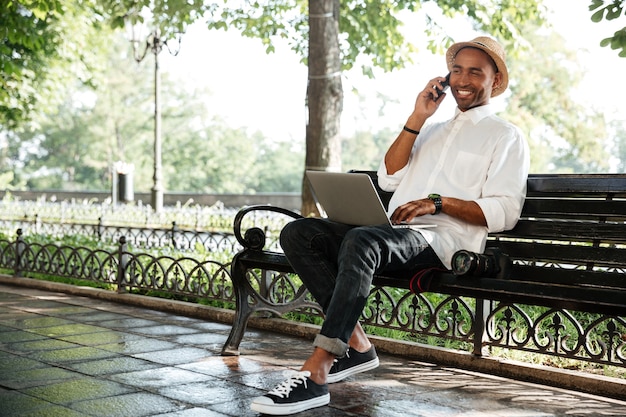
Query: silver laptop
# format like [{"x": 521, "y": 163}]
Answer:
[{"x": 351, "y": 199}]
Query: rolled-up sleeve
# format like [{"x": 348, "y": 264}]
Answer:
[
  {"x": 504, "y": 191},
  {"x": 389, "y": 182}
]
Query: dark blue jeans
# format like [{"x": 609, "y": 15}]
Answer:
[{"x": 337, "y": 262}]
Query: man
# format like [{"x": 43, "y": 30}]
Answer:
[{"x": 467, "y": 175}]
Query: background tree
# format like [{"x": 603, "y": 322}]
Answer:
[
  {"x": 324, "y": 94},
  {"x": 564, "y": 135},
  {"x": 44, "y": 44},
  {"x": 611, "y": 10},
  {"x": 76, "y": 146},
  {"x": 91, "y": 130},
  {"x": 366, "y": 148},
  {"x": 619, "y": 146},
  {"x": 369, "y": 33}
]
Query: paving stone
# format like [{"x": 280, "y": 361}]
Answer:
[
  {"x": 135, "y": 405},
  {"x": 75, "y": 390},
  {"x": 118, "y": 360}
]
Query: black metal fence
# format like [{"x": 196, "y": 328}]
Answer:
[
  {"x": 480, "y": 326},
  {"x": 210, "y": 230},
  {"x": 120, "y": 269},
  {"x": 185, "y": 262},
  {"x": 138, "y": 237}
]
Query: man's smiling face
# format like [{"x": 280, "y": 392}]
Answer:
[{"x": 473, "y": 77}]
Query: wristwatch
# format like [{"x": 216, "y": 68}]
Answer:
[{"x": 436, "y": 198}]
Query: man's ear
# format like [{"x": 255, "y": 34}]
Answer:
[{"x": 497, "y": 80}]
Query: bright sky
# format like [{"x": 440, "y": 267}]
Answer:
[{"x": 249, "y": 88}]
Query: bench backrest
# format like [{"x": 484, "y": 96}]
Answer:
[{"x": 569, "y": 221}]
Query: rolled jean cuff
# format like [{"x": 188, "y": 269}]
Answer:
[{"x": 335, "y": 346}]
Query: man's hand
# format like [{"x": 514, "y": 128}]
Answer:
[
  {"x": 398, "y": 153},
  {"x": 416, "y": 208},
  {"x": 428, "y": 100}
]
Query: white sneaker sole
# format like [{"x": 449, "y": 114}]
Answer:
[
  {"x": 259, "y": 406},
  {"x": 365, "y": 366}
]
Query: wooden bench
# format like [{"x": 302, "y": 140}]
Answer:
[{"x": 567, "y": 251}]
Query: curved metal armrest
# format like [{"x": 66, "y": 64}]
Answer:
[{"x": 254, "y": 238}]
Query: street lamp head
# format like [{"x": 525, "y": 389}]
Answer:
[
  {"x": 144, "y": 34},
  {"x": 136, "y": 30}
]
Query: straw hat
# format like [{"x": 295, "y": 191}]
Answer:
[{"x": 493, "y": 49}]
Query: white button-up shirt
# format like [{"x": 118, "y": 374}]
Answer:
[{"x": 474, "y": 156}]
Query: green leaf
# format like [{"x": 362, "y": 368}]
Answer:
[
  {"x": 613, "y": 12},
  {"x": 606, "y": 42},
  {"x": 597, "y": 16},
  {"x": 595, "y": 4}
]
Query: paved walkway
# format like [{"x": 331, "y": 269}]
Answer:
[{"x": 64, "y": 355}]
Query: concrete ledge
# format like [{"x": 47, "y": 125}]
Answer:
[{"x": 555, "y": 377}]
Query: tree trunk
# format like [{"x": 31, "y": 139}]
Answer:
[{"x": 324, "y": 95}]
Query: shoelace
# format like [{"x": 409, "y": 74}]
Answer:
[
  {"x": 347, "y": 356},
  {"x": 295, "y": 378}
]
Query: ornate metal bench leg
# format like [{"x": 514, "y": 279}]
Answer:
[
  {"x": 480, "y": 327},
  {"x": 231, "y": 347},
  {"x": 243, "y": 312}
]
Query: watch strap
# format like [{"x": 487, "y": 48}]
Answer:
[{"x": 436, "y": 198}]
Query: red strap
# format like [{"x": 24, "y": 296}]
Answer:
[{"x": 421, "y": 280}]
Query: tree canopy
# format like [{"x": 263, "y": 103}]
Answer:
[
  {"x": 47, "y": 43},
  {"x": 49, "y": 49},
  {"x": 44, "y": 42}
]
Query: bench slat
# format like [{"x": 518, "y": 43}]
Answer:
[
  {"x": 567, "y": 254},
  {"x": 571, "y": 277},
  {"x": 610, "y": 210},
  {"x": 578, "y": 231},
  {"x": 596, "y": 300},
  {"x": 576, "y": 184}
]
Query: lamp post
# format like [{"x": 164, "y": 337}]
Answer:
[{"x": 154, "y": 44}]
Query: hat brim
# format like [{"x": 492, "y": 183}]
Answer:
[{"x": 500, "y": 64}]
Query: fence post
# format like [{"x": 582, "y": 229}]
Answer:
[
  {"x": 122, "y": 263},
  {"x": 480, "y": 326},
  {"x": 173, "y": 237},
  {"x": 19, "y": 253},
  {"x": 37, "y": 224},
  {"x": 100, "y": 228}
]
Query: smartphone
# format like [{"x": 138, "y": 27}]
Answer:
[{"x": 445, "y": 84}]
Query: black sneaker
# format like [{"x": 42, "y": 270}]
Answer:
[
  {"x": 296, "y": 394},
  {"x": 353, "y": 363}
]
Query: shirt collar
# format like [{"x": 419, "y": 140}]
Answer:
[{"x": 476, "y": 114}]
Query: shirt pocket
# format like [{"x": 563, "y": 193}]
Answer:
[{"x": 470, "y": 170}]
